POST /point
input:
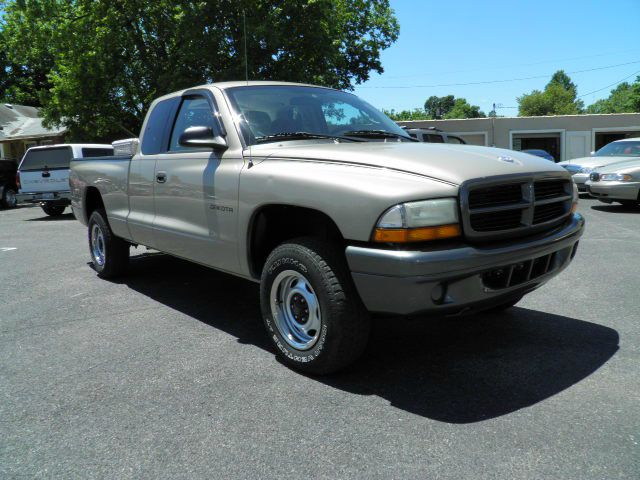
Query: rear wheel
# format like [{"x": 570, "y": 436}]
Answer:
[
  {"x": 109, "y": 254},
  {"x": 9, "y": 199},
  {"x": 310, "y": 307},
  {"x": 53, "y": 210}
]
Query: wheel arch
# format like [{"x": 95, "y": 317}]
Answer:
[
  {"x": 92, "y": 202},
  {"x": 272, "y": 224}
]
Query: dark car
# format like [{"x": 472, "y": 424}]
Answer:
[
  {"x": 8, "y": 187},
  {"x": 540, "y": 153},
  {"x": 433, "y": 135}
]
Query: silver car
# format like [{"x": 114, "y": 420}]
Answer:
[
  {"x": 619, "y": 182},
  {"x": 614, "y": 152}
]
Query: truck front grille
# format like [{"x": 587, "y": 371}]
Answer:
[
  {"x": 543, "y": 213},
  {"x": 549, "y": 189},
  {"x": 494, "y": 221},
  {"x": 513, "y": 206},
  {"x": 495, "y": 196}
]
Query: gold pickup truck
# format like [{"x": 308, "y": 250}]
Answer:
[{"x": 333, "y": 208}]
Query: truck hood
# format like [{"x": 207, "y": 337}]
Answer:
[
  {"x": 449, "y": 163},
  {"x": 594, "y": 162}
]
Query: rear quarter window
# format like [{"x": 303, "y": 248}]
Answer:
[
  {"x": 49, "y": 158},
  {"x": 96, "y": 152}
]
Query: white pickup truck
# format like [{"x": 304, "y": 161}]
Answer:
[{"x": 43, "y": 173}]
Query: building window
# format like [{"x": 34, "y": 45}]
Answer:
[
  {"x": 550, "y": 142},
  {"x": 604, "y": 138}
]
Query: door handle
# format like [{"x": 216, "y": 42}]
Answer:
[
  {"x": 46, "y": 174},
  {"x": 161, "y": 177}
]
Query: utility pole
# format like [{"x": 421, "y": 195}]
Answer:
[{"x": 493, "y": 123}]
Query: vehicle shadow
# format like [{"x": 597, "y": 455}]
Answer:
[
  {"x": 56, "y": 218},
  {"x": 617, "y": 208},
  {"x": 451, "y": 370}
]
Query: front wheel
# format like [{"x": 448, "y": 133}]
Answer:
[
  {"x": 53, "y": 210},
  {"x": 109, "y": 254},
  {"x": 310, "y": 307}
]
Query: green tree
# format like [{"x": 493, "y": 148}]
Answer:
[
  {"x": 105, "y": 61},
  {"x": 562, "y": 79},
  {"x": 462, "y": 109},
  {"x": 625, "y": 98},
  {"x": 437, "y": 107},
  {"x": 558, "y": 98},
  {"x": 415, "y": 114}
]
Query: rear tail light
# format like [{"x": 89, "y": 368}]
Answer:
[{"x": 18, "y": 180}]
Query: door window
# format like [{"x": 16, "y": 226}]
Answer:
[{"x": 194, "y": 112}]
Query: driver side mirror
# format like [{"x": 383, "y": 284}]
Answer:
[{"x": 201, "y": 136}]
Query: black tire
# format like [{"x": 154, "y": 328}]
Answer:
[
  {"x": 8, "y": 199},
  {"x": 53, "y": 210},
  {"x": 344, "y": 325},
  {"x": 504, "y": 306},
  {"x": 114, "y": 251}
]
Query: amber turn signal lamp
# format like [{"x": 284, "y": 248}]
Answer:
[{"x": 421, "y": 234}]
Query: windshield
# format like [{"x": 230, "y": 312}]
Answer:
[
  {"x": 272, "y": 110},
  {"x": 620, "y": 149}
]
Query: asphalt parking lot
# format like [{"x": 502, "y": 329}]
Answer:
[{"x": 168, "y": 373}]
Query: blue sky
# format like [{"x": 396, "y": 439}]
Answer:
[{"x": 447, "y": 42}]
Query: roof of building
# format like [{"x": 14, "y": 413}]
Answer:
[
  {"x": 582, "y": 115},
  {"x": 21, "y": 121}
]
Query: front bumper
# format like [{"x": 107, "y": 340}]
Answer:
[
  {"x": 460, "y": 280},
  {"x": 580, "y": 179},
  {"x": 59, "y": 198},
  {"x": 611, "y": 191}
]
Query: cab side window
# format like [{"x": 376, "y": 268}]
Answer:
[{"x": 194, "y": 112}]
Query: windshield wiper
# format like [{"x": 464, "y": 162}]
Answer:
[
  {"x": 301, "y": 135},
  {"x": 377, "y": 134}
]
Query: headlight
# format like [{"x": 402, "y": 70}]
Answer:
[
  {"x": 419, "y": 221},
  {"x": 619, "y": 177},
  {"x": 586, "y": 170},
  {"x": 576, "y": 196}
]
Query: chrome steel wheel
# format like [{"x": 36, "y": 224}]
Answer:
[
  {"x": 97, "y": 245},
  {"x": 296, "y": 310}
]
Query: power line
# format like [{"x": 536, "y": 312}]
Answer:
[
  {"x": 608, "y": 86},
  {"x": 492, "y": 67},
  {"x": 500, "y": 81}
]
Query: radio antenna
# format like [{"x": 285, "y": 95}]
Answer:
[
  {"x": 246, "y": 70},
  {"x": 246, "y": 61}
]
